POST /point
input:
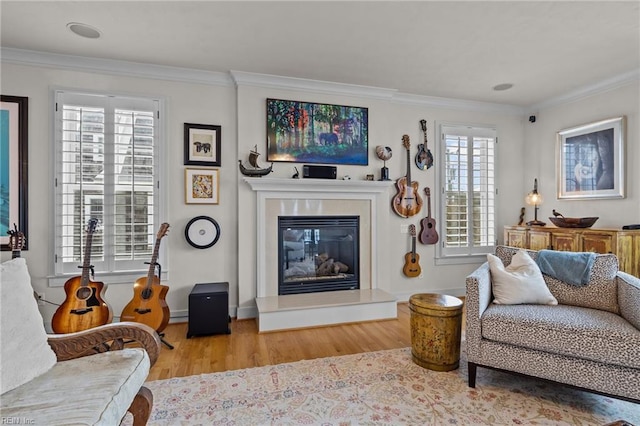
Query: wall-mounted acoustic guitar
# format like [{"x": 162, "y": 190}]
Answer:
[
  {"x": 412, "y": 259},
  {"x": 428, "y": 233},
  {"x": 84, "y": 307},
  {"x": 17, "y": 241},
  {"x": 148, "y": 305},
  {"x": 407, "y": 201},
  {"x": 424, "y": 158}
]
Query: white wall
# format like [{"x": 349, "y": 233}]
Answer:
[
  {"x": 193, "y": 103},
  {"x": 540, "y": 150},
  {"x": 525, "y": 151},
  {"x": 388, "y": 121}
]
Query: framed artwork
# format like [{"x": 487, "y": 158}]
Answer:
[
  {"x": 590, "y": 160},
  {"x": 202, "y": 145},
  {"x": 201, "y": 186},
  {"x": 13, "y": 167},
  {"x": 307, "y": 132}
]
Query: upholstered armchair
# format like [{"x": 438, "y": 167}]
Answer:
[
  {"x": 86, "y": 378},
  {"x": 586, "y": 336}
]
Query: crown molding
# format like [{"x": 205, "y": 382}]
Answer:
[
  {"x": 607, "y": 85},
  {"x": 114, "y": 67},
  {"x": 457, "y": 104},
  {"x": 242, "y": 78}
]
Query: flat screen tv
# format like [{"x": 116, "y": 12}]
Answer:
[{"x": 307, "y": 132}]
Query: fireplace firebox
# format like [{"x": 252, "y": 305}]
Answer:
[{"x": 318, "y": 253}]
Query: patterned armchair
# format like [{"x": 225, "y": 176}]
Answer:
[{"x": 589, "y": 340}]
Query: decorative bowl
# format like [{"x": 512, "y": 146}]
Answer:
[{"x": 573, "y": 222}]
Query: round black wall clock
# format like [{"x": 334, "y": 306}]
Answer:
[{"x": 202, "y": 232}]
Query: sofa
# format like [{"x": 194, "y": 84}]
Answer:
[
  {"x": 84, "y": 378},
  {"x": 585, "y": 336}
]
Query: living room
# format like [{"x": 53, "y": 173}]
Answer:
[{"x": 222, "y": 87}]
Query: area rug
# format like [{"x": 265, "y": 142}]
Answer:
[{"x": 375, "y": 388}]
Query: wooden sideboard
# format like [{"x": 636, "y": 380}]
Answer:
[{"x": 623, "y": 243}]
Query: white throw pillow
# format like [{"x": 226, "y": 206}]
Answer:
[
  {"x": 520, "y": 282},
  {"x": 24, "y": 351}
]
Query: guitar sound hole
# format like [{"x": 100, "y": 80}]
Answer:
[
  {"x": 146, "y": 293},
  {"x": 84, "y": 293}
]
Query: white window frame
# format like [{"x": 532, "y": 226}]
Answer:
[
  {"x": 108, "y": 271},
  {"x": 469, "y": 254}
]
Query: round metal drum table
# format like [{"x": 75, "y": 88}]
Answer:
[{"x": 436, "y": 327}]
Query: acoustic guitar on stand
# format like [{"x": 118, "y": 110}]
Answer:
[
  {"x": 407, "y": 201},
  {"x": 84, "y": 307},
  {"x": 17, "y": 241},
  {"x": 148, "y": 305},
  {"x": 428, "y": 233},
  {"x": 412, "y": 267}
]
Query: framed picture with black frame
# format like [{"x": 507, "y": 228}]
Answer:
[
  {"x": 202, "y": 145},
  {"x": 309, "y": 132},
  {"x": 14, "y": 122}
]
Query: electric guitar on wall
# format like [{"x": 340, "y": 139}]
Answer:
[
  {"x": 407, "y": 201},
  {"x": 84, "y": 307},
  {"x": 411, "y": 260},
  {"x": 428, "y": 233},
  {"x": 17, "y": 241},
  {"x": 148, "y": 305}
]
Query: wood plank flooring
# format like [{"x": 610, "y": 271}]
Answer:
[{"x": 245, "y": 347}]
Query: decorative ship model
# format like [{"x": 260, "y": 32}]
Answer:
[{"x": 255, "y": 169}]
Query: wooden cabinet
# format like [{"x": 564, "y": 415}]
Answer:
[
  {"x": 629, "y": 243},
  {"x": 623, "y": 243},
  {"x": 515, "y": 236}
]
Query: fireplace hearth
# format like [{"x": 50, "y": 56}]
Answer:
[{"x": 318, "y": 254}]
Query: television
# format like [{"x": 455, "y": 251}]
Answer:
[{"x": 308, "y": 132}]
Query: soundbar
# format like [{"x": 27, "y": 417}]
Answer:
[{"x": 319, "y": 172}]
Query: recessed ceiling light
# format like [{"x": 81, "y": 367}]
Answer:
[
  {"x": 83, "y": 30},
  {"x": 503, "y": 86}
]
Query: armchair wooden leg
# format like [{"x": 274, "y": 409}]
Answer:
[
  {"x": 472, "y": 368},
  {"x": 141, "y": 406}
]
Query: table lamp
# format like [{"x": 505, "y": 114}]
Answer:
[{"x": 533, "y": 198}]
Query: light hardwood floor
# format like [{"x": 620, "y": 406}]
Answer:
[{"x": 246, "y": 348}]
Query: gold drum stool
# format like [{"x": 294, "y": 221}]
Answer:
[{"x": 436, "y": 327}]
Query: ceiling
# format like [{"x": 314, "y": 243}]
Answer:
[{"x": 449, "y": 49}]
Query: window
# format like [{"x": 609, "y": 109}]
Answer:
[
  {"x": 468, "y": 191},
  {"x": 106, "y": 167}
]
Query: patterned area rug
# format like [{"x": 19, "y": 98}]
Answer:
[{"x": 374, "y": 388}]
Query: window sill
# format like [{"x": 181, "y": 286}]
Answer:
[
  {"x": 125, "y": 277},
  {"x": 460, "y": 260}
]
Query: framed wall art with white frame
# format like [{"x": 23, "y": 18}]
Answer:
[{"x": 590, "y": 160}]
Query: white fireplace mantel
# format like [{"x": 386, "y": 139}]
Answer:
[
  {"x": 310, "y": 189},
  {"x": 278, "y": 196}
]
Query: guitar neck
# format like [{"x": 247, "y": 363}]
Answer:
[
  {"x": 408, "y": 167},
  {"x": 429, "y": 207},
  {"x": 86, "y": 263},
  {"x": 152, "y": 264}
]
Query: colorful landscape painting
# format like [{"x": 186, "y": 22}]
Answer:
[{"x": 307, "y": 132}]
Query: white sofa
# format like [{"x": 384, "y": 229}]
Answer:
[{"x": 84, "y": 378}]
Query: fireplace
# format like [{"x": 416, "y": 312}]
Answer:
[{"x": 318, "y": 254}]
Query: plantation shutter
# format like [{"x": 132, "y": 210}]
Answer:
[
  {"x": 106, "y": 168},
  {"x": 468, "y": 193}
]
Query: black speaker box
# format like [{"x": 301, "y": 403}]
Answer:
[
  {"x": 319, "y": 172},
  {"x": 209, "y": 309}
]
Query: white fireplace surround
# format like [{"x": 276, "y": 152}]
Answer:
[
  {"x": 337, "y": 192},
  {"x": 289, "y": 197}
]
